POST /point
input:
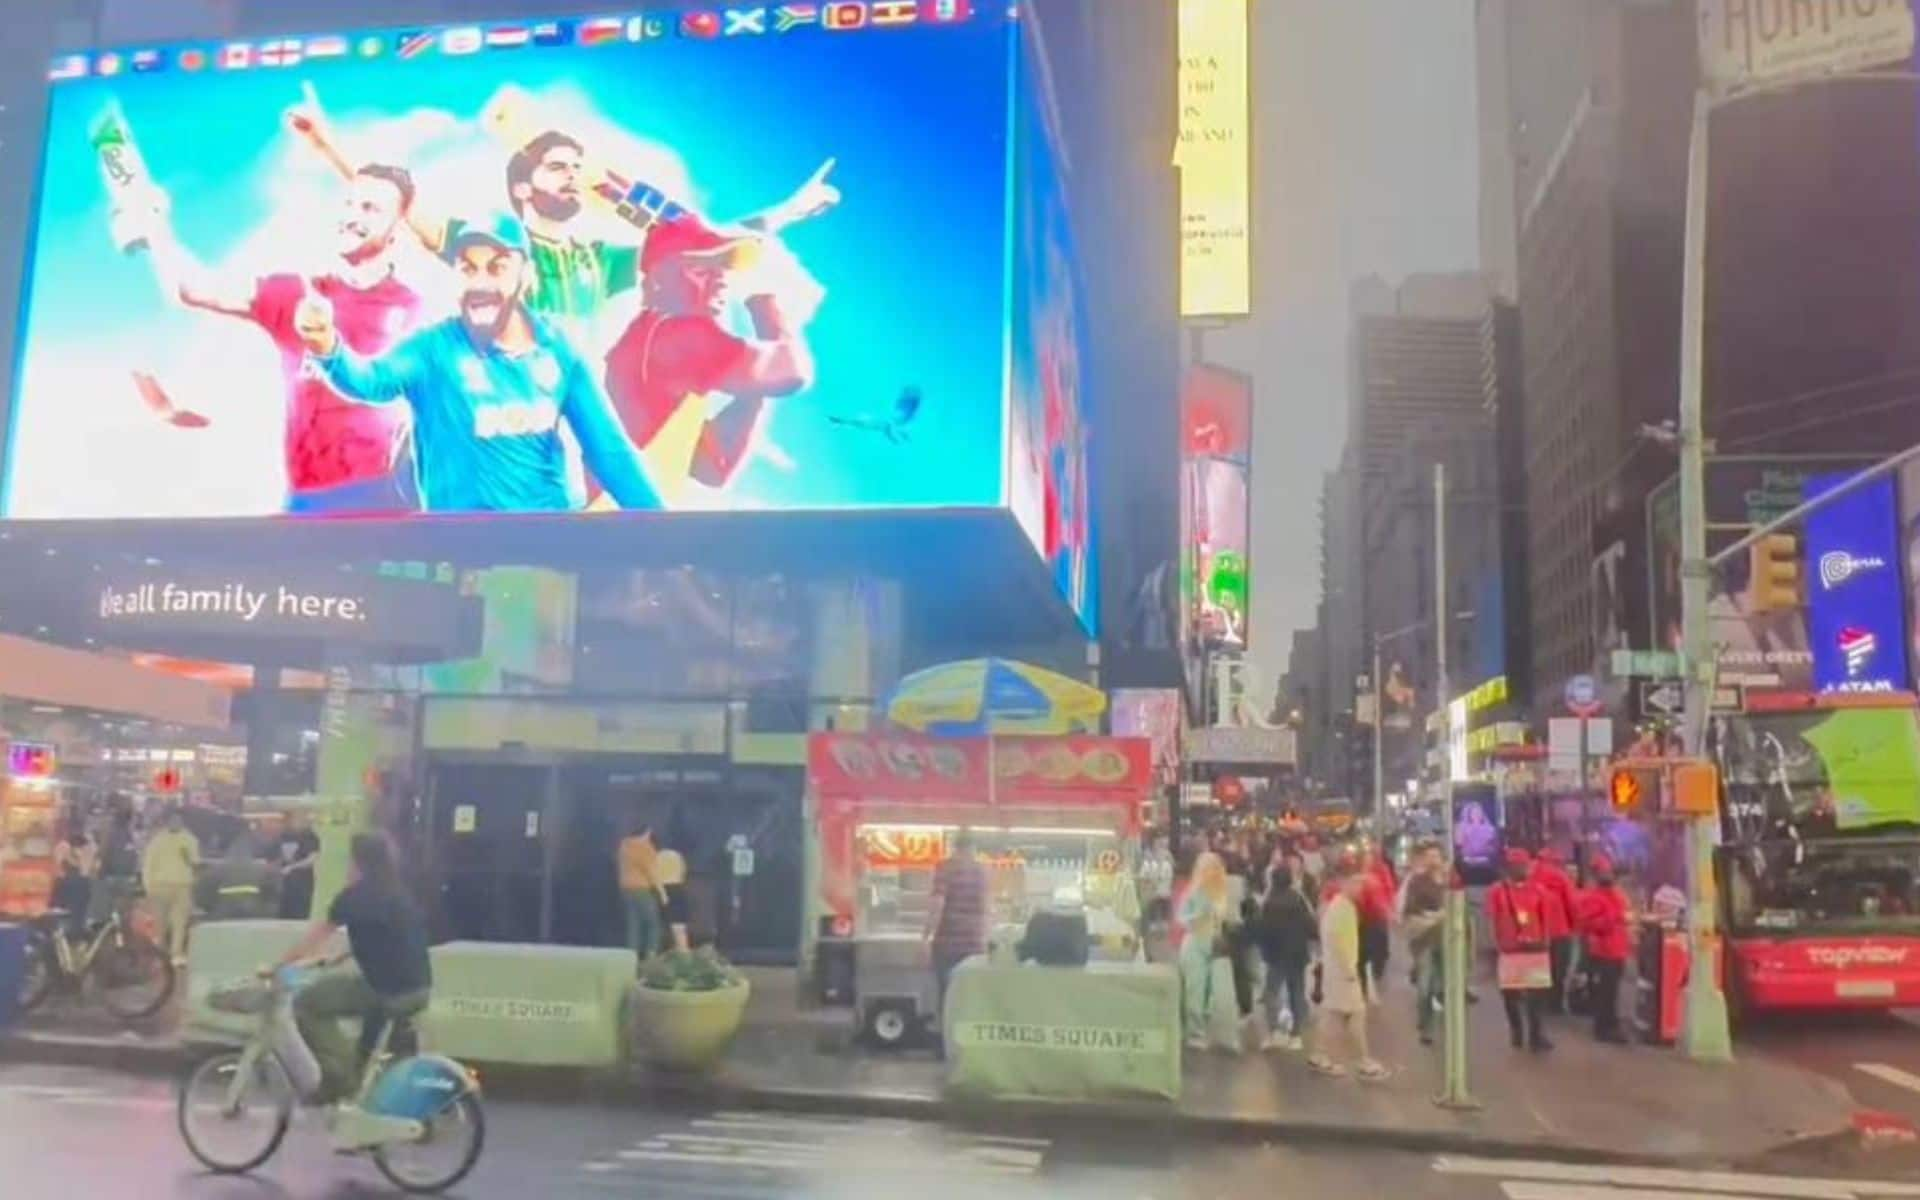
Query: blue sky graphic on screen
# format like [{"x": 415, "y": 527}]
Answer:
[{"x": 584, "y": 265}]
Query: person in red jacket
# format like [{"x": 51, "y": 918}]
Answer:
[
  {"x": 1377, "y": 893},
  {"x": 1519, "y": 911},
  {"x": 1605, "y": 923},
  {"x": 1562, "y": 900}
]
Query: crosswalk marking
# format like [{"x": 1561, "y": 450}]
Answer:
[
  {"x": 1890, "y": 1074},
  {"x": 82, "y": 1096},
  {"x": 1588, "y": 1191},
  {"x": 751, "y": 1142},
  {"x": 713, "y": 1160},
  {"x": 1724, "y": 1185}
]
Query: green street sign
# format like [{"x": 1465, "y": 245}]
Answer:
[{"x": 1646, "y": 664}]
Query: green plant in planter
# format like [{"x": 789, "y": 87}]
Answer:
[
  {"x": 687, "y": 1009},
  {"x": 689, "y": 971}
]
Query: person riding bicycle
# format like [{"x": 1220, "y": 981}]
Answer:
[{"x": 389, "y": 974}]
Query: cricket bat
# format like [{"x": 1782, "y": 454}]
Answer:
[
  {"x": 513, "y": 119},
  {"x": 133, "y": 200}
]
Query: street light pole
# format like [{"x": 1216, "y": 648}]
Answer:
[
  {"x": 1453, "y": 948},
  {"x": 1379, "y": 738},
  {"x": 1705, "y": 1034}
]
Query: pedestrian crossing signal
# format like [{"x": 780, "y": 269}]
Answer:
[{"x": 1628, "y": 788}]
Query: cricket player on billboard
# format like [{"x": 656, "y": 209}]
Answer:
[
  {"x": 676, "y": 357},
  {"x": 550, "y": 177},
  {"x": 685, "y": 390},
  {"x": 490, "y": 388},
  {"x": 340, "y": 457}
]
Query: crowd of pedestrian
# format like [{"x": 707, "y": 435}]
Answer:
[
  {"x": 108, "y": 855},
  {"x": 1298, "y": 936}
]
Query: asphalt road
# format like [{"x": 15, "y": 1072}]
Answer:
[
  {"x": 67, "y": 1133},
  {"x": 1875, "y": 1055}
]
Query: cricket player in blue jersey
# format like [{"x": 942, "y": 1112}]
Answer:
[{"x": 490, "y": 388}]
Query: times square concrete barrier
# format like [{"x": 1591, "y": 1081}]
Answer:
[
  {"x": 224, "y": 953},
  {"x": 528, "y": 1005},
  {"x": 1104, "y": 1032}
]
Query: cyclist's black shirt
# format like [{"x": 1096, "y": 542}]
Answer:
[{"x": 388, "y": 937}]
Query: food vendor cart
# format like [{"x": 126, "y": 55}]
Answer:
[{"x": 1055, "y": 819}]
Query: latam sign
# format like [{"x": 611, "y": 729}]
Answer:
[
  {"x": 1856, "y": 615},
  {"x": 1753, "y": 43}
]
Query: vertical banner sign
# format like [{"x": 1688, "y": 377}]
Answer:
[
  {"x": 348, "y": 729},
  {"x": 1215, "y": 160},
  {"x": 1856, "y": 612}
]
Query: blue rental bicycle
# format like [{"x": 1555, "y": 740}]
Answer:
[{"x": 418, "y": 1116}]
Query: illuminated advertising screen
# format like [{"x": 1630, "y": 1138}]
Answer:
[
  {"x": 747, "y": 259},
  {"x": 1856, "y": 600},
  {"x": 1215, "y": 159},
  {"x": 1048, "y": 481},
  {"x": 1216, "y": 417}
]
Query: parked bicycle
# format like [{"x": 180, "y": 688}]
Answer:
[
  {"x": 419, "y": 1116},
  {"x": 130, "y": 974}
]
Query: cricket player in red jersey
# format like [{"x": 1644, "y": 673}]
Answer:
[
  {"x": 673, "y": 363},
  {"x": 342, "y": 457}
]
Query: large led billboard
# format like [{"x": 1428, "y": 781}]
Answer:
[
  {"x": 750, "y": 259},
  {"x": 1049, "y": 486}
]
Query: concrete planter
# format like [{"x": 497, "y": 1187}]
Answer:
[{"x": 687, "y": 1031}]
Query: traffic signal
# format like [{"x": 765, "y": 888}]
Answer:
[
  {"x": 1629, "y": 788},
  {"x": 1773, "y": 573}
]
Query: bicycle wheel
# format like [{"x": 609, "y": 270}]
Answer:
[
  {"x": 443, "y": 1155},
  {"x": 233, "y": 1141},
  {"x": 135, "y": 978},
  {"x": 38, "y": 973}
]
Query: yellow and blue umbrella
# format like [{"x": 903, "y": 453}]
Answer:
[{"x": 994, "y": 695}]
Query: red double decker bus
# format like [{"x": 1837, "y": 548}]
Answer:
[{"x": 1820, "y": 861}]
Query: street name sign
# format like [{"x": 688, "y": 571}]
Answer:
[{"x": 1646, "y": 664}]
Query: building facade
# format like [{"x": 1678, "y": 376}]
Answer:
[
  {"x": 1426, "y": 379},
  {"x": 1586, "y": 107}
]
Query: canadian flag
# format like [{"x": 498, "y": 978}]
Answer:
[{"x": 236, "y": 56}]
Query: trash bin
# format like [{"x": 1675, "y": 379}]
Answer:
[{"x": 13, "y": 971}]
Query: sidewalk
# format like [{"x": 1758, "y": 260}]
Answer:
[{"x": 1581, "y": 1101}]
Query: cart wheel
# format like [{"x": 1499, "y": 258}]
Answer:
[{"x": 890, "y": 1024}]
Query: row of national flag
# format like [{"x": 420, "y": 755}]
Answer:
[{"x": 749, "y": 20}]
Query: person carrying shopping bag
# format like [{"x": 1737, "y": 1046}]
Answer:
[{"x": 1519, "y": 910}]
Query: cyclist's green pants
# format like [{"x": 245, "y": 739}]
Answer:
[{"x": 319, "y": 1008}]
